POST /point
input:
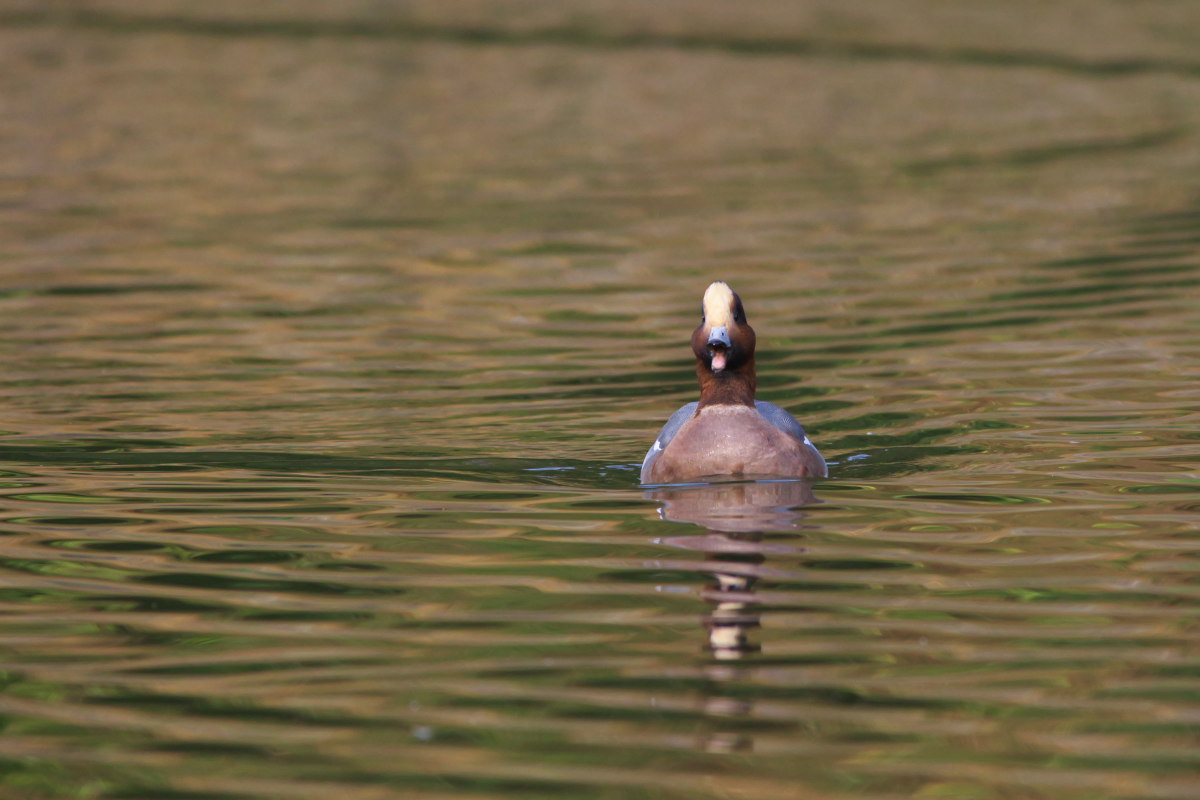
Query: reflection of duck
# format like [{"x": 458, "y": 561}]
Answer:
[
  {"x": 728, "y": 432},
  {"x": 735, "y": 515},
  {"x": 736, "y": 507}
]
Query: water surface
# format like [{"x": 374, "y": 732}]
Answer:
[{"x": 332, "y": 347}]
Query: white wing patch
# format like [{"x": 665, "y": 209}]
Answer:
[{"x": 813, "y": 447}]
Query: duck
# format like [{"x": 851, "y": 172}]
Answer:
[{"x": 728, "y": 432}]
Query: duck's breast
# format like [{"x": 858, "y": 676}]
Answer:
[{"x": 734, "y": 440}]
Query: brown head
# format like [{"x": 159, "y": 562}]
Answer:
[{"x": 724, "y": 348}]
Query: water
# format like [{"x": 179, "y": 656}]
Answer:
[{"x": 332, "y": 346}]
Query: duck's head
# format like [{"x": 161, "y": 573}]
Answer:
[{"x": 724, "y": 342}]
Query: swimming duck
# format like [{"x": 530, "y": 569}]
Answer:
[{"x": 728, "y": 432}]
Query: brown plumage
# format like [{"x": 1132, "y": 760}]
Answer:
[{"x": 728, "y": 432}]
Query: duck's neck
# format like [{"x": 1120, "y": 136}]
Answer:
[{"x": 727, "y": 388}]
